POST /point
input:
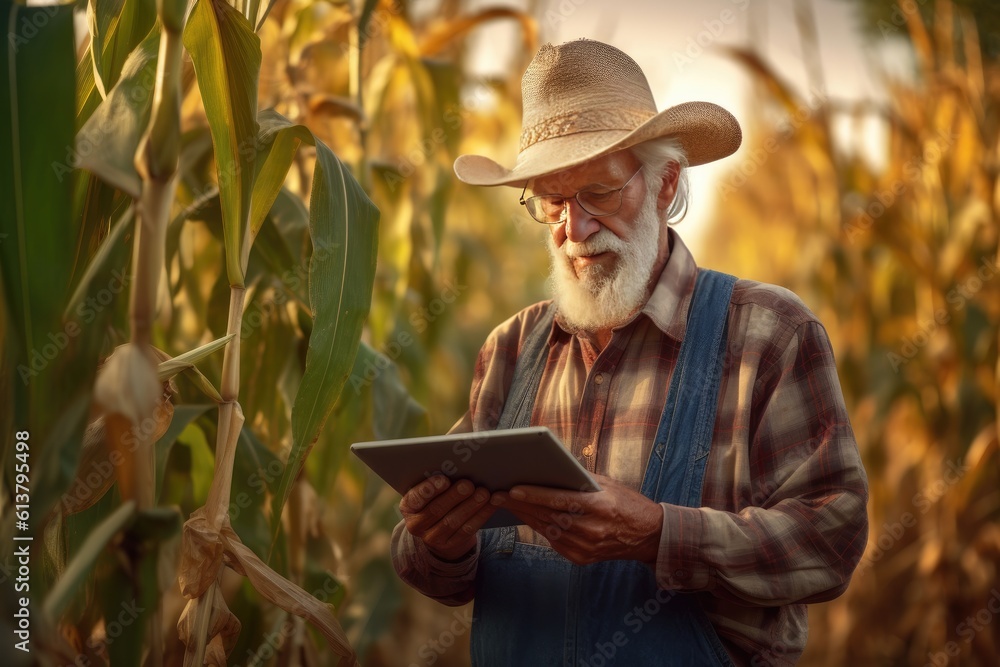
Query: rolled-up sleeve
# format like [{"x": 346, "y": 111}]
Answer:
[{"x": 451, "y": 583}]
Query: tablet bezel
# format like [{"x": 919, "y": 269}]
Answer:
[{"x": 492, "y": 459}]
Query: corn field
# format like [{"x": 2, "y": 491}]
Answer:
[
  {"x": 901, "y": 267},
  {"x": 232, "y": 244}
]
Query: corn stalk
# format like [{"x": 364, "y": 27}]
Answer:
[
  {"x": 253, "y": 155},
  {"x": 127, "y": 389}
]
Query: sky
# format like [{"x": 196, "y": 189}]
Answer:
[{"x": 676, "y": 43}]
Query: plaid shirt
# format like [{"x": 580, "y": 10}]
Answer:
[{"x": 783, "y": 520}]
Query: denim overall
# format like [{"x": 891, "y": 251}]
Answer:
[{"x": 534, "y": 607}]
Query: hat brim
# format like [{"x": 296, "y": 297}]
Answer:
[{"x": 705, "y": 131}]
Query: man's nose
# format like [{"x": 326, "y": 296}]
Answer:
[{"x": 579, "y": 225}]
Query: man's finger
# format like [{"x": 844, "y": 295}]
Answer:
[
  {"x": 421, "y": 494},
  {"x": 479, "y": 519},
  {"x": 461, "y": 514},
  {"x": 452, "y": 524},
  {"x": 557, "y": 499},
  {"x": 541, "y": 525},
  {"x": 503, "y": 499},
  {"x": 420, "y": 523},
  {"x": 536, "y": 512}
]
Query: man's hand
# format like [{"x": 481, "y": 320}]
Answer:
[
  {"x": 615, "y": 523},
  {"x": 446, "y": 516}
]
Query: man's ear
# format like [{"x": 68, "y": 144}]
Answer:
[{"x": 668, "y": 185}]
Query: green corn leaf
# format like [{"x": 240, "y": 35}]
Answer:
[
  {"x": 256, "y": 473},
  {"x": 184, "y": 416},
  {"x": 181, "y": 362},
  {"x": 132, "y": 595},
  {"x": 107, "y": 142},
  {"x": 87, "y": 96},
  {"x": 185, "y": 363},
  {"x": 37, "y": 77},
  {"x": 49, "y": 380},
  {"x": 227, "y": 57},
  {"x": 273, "y": 250},
  {"x": 96, "y": 205},
  {"x": 116, "y": 27},
  {"x": 343, "y": 225},
  {"x": 102, "y": 265},
  {"x": 375, "y": 405},
  {"x": 79, "y": 568},
  {"x": 274, "y": 165},
  {"x": 203, "y": 383},
  {"x": 379, "y": 594},
  {"x": 263, "y": 10}
]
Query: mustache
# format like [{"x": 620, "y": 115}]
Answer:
[{"x": 602, "y": 241}]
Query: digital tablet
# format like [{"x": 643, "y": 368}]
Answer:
[{"x": 497, "y": 460}]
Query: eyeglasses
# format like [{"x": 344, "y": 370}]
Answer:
[{"x": 597, "y": 200}]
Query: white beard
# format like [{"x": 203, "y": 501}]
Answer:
[{"x": 598, "y": 298}]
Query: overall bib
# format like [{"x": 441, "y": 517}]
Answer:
[{"x": 534, "y": 607}]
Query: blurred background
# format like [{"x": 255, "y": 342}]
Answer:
[{"x": 867, "y": 183}]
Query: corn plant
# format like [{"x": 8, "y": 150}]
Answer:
[{"x": 126, "y": 189}]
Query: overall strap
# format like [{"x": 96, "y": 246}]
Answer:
[
  {"x": 677, "y": 463},
  {"x": 528, "y": 374}
]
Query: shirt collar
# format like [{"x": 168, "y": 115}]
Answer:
[{"x": 667, "y": 306}]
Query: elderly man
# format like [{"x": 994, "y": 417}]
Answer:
[{"x": 707, "y": 407}]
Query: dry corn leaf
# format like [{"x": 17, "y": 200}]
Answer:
[
  {"x": 94, "y": 473},
  {"x": 443, "y": 33},
  {"x": 981, "y": 456},
  {"x": 402, "y": 38},
  {"x": 201, "y": 555},
  {"x": 135, "y": 407},
  {"x": 97, "y": 468},
  {"x": 337, "y": 105},
  {"x": 285, "y": 594},
  {"x": 931, "y": 555},
  {"x": 223, "y": 628},
  {"x": 122, "y": 445},
  {"x": 215, "y": 652},
  {"x": 965, "y": 223},
  {"x": 779, "y": 89}
]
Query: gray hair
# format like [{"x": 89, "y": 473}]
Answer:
[{"x": 654, "y": 155}]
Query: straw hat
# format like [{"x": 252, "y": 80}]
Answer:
[{"x": 584, "y": 99}]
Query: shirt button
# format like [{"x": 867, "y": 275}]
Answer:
[
  {"x": 599, "y": 379},
  {"x": 588, "y": 450}
]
